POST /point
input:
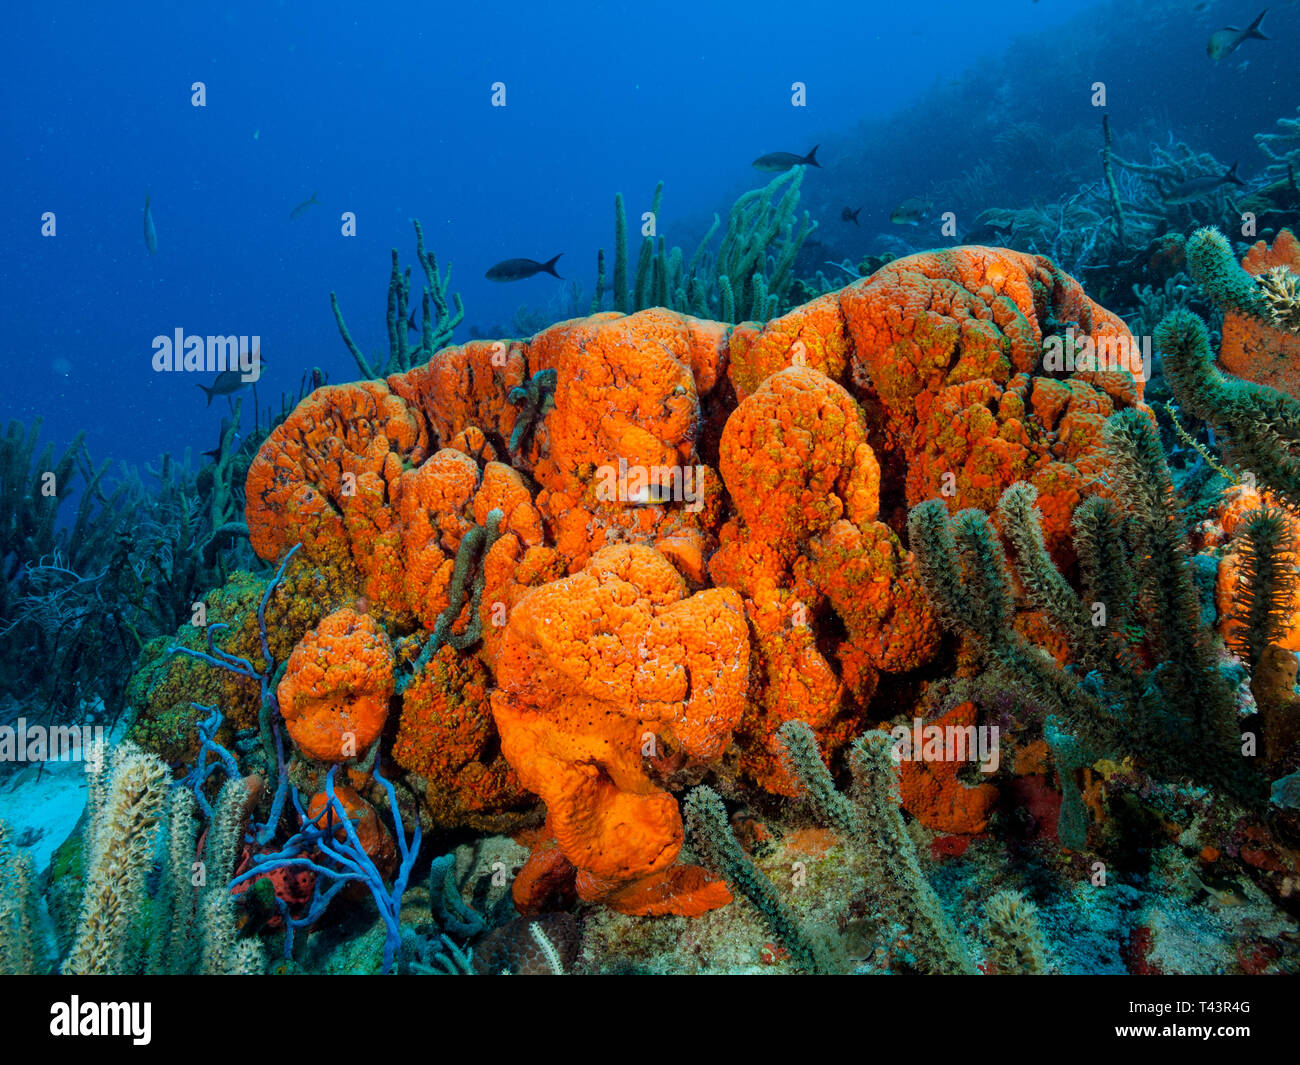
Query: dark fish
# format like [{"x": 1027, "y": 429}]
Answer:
[
  {"x": 780, "y": 162},
  {"x": 150, "y": 235},
  {"x": 229, "y": 382},
  {"x": 1227, "y": 40},
  {"x": 518, "y": 269},
  {"x": 298, "y": 211},
  {"x": 911, "y": 212},
  {"x": 215, "y": 453},
  {"x": 410, "y": 322},
  {"x": 850, "y": 216},
  {"x": 1191, "y": 191}
]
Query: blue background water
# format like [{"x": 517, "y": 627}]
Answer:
[{"x": 384, "y": 109}]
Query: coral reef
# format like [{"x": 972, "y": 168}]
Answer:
[
  {"x": 552, "y": 587},
  {"x": 391, "y": 489},
  {"x": 1260, "y": 421},
  {"x": 1161, "y": 699}
]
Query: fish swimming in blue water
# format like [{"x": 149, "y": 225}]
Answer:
[
  {"x": 911, "y": 212},
  {"x": 228, "y": 382},
  {"x": 1227, "y": 40},
  {"x": 848, "y": 215},
  {"x": 1197, "y": 188},
  {"x": 519, "y": 269},
  {"x": 150, "y": 234},
  {"x": 301, "y": 209},
  {"x": 780, "y": 162}
]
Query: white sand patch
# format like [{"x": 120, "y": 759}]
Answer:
[{"x": 43, "y": 802}]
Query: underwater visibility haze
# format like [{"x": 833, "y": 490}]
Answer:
[{"x": 651, "y": 489}]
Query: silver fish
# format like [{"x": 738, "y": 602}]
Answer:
[
  {"x": 1227, "y": 40},
  {"x": 228, "y": 382},
  {"x": 150, "y": 234},
  {"x": 1198, "y": 188},
  {"x": 780, "y": 162},
  {"x": 911, "y": 212}
]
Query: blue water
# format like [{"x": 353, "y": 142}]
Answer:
[{"x": 384, "y": 110}]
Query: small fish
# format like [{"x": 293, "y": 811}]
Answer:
[
  {"x": 1227, "y": 40},
  {"x": 1191, "y": 191},
  {"x": 518, "y": 269},
  {"x": 150, "y": 234},
  {"x": 850, "y": 216},
  {"x": 298, "y": 211},
  {"x": 911, "y": 212},
  {"x": 215, "y": 453},
  {"x": 410, "y": 322},
  {"x": 228, "y": 382},
  {"x": 780, "y": 162}
]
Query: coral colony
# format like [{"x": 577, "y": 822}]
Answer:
[{"x": 750, "y": 620}]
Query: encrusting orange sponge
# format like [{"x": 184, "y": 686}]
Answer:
[
  {"x": 602, "y": 675},
  {"x": 336, "y": 687}
]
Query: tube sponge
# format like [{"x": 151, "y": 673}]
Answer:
[
  {"x": 710, "y": 833},
  {"x": 1216, "y": 270}
]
